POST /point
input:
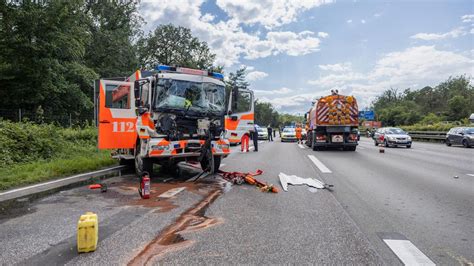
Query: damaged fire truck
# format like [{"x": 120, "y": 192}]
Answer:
[{"x": 169, "y": 115}]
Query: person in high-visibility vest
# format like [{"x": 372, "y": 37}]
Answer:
[{"x": 298, "y": 134}]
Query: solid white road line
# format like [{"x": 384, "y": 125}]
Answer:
[
  {"x": 319, "y": 164},
  {"x": 301, "y": 146},
  {"x": 408, "y": 253}
]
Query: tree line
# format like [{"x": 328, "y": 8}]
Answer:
[
  {"x": 451, "y": 100},
  {"x": 51, "y": 52}
]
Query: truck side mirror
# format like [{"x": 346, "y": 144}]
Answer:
[{"x": 136, "y": 92}]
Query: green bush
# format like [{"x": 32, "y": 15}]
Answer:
[
  {"x": 31, "y": 153},
  {"x": 29, "y": 142}
]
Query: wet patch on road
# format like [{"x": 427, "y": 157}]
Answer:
[{"x": 194, "y": 219}]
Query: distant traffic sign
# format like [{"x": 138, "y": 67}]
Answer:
[{"x": 367, "y": 115}]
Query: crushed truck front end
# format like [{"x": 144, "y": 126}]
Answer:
[{"x": 178, "y": 115}]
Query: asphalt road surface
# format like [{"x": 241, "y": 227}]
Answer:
[{"x": 402, "y": 206}]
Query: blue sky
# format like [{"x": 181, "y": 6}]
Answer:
[{"x": 296, "y": 51}]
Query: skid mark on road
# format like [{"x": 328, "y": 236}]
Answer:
[{"x": 319, "y": 164}]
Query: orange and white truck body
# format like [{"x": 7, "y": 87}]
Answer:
[
  {"x": 163, "y": 116},
  {"x": 333, "y": 122},
  {"x": 240, "y": 123}
]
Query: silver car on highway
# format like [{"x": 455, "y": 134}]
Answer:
[{"x": 392, "y": 136}]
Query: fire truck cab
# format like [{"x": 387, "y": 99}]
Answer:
[{"x": 168, "y": 115}]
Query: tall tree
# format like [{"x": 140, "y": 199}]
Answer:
[
  {"x": 174, "y": 45},
  {"x": 114, "y": 27},
  {"x": 42, "y": 49}
]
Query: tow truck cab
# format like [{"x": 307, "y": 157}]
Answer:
[{"x": 165, "y": 116}]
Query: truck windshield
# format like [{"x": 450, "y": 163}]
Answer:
[{"x": 196, "y": 96}]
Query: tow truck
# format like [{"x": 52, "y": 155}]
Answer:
[{"x": 169, "y": 115}]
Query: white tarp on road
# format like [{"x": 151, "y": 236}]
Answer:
[{"x": 296, "y": 181}]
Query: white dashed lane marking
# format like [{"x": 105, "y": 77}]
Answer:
[
  {"x": 301, "y": 146},
  {"x": 408, "y": 253},
  {"x": 470, "y": 174},
  {"x": 319, "y": 164}
]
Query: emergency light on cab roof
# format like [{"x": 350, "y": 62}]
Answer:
[{"x": 191, "y": 71}]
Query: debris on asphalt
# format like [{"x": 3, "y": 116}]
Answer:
[
  {"x": 95, "y": 186},
  {"x": 102, "y": 187},
  {"x": 456, "y": 177},
  {"x": 87, "y": 232},
  {"x": 239, "y": 178},
  {"x": 381, "y": 149},
  {"x": 296, "y": 180}
]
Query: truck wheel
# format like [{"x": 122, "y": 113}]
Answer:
[
  {"x": 217, "y": 164},
  {"x": 352, "y": 148},
  {"x": 316, "y": 148},
  {"x": 142, "y": 164}
]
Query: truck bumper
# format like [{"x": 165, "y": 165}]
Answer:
[
  {"x": 330, "y": 144},
  {"x": 159, "y": 147}
]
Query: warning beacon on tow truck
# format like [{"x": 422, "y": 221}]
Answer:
[{"x": 169, "y": 115}]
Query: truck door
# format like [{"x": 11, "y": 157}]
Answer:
[
  {"x": 241, "y": 116},
  {"x": 117, "y": 116}
]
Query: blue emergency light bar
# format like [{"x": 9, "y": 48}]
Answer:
[{"x": 189, "y": 71}]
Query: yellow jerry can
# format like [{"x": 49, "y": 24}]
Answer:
[{"x": 87, "y": 232}]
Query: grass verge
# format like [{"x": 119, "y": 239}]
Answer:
[{"x": 35, "y": 172}]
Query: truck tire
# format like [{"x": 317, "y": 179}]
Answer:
[
  {"x": 350, "y": 148},
  {"x": 142, "y": 165},
  {"x": 217, "y": 164}
]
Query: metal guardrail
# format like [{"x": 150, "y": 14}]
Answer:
[
  {"x": 57, "y": 184},
  {"x": 428, "y": 135}
]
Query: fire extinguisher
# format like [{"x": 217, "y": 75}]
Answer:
[{"x": 145, "y": 186}]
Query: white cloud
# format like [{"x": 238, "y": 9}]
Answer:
[
  {"x": 347, "y": 66},
  {"x": 362, "y": 21},
  {"x": 268, "y": 13},
  {"x": 256, "y": 75},
  {"x": 227, "y": 39},
  {"x": 280, "y": 91},
  {"x": 421, "y": 65},
  {"x": 468, "y": 18},
  {"x": 440, "y": 36},
  {"x": 349, "y": 21},
  {"x": 323, "y": 35}
]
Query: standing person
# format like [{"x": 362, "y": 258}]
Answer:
[
  {"x": 274, "y": 133},
  {"x": 270, "y": 136},
  {"x": 255, "y": 138},
  {"x": 298, "y": 133}
]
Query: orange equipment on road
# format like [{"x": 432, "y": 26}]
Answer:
[{"x": 239, "y": 178}]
